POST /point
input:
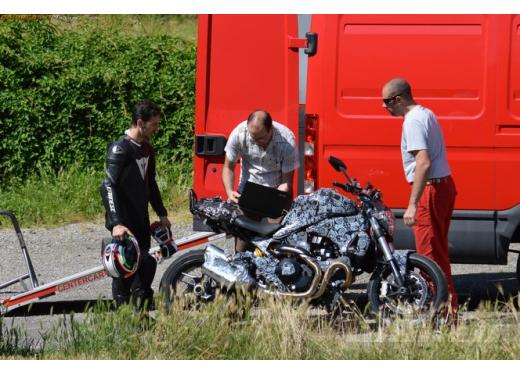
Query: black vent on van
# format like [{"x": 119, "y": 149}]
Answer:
[{"x": 209, "y": 145}]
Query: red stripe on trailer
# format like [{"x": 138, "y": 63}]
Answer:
[
  {"x": 36, "y": 295},
  {"x": 194, "y": 243},
  {"x": 88, "y": 276}
]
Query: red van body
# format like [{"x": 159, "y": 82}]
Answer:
[{"x": 321, "y": 75}]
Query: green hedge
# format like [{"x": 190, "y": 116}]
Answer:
[{"x": 65, "y": 94}]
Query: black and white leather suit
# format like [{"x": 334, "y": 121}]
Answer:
[{"x": 128, "y": 187}]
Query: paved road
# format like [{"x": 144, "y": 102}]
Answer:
[{"x": 64, "y": 251}]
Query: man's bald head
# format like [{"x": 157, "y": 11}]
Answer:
[
  {"x": 260, "y": 126},
  {"x": 397, "y": 86},
  {"x": 260, "y": 118},
  {"x": 397, "y": 97}
]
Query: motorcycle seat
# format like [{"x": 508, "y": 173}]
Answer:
[{"x": 261, "y": 228}]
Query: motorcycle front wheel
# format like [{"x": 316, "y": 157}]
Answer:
[
  {"x": 184, "y": 281},
  {"x": 425, "y": 292}
]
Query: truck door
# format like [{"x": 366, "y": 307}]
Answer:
[
  {"x": 450, "y": 61},
  {"x": 244, "y": 63},
  {"x": 507, "y": 129}
]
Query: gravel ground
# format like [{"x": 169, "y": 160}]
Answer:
[{"x": 63, "y": 251}]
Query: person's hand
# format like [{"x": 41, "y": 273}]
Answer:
[
  {"x": 409, "y": 215},
  {"x": 284, "y": 187},
  {"x": 233, "y": 196},
  {"x": 119, "y": 231},
  {"x": 165, "y": 222}
]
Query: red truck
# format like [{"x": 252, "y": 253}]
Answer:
[{"x": 321, "y": 75}]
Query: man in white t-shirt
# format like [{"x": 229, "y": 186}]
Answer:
[
  {"x": 426, "y": 168},
  {"x": 268, "y": 156}
]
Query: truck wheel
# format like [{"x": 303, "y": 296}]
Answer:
[{"x": 518, "y": 268}]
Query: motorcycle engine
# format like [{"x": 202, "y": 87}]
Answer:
[
  {"x": 286, "y": 274},
  {"x": 296, "y": 276},
  {"x": 323, "y": 248}
]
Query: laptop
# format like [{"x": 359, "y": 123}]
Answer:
[{"x": 264, "y": 201}]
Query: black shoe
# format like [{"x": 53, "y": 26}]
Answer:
[
  {"x": 143, "y": 300},
  {"x": 120, "y": 300}
]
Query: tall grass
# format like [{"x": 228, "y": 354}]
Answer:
[
  {"x": 47, "y": 199},
  {"x": 226, "y": 330}
]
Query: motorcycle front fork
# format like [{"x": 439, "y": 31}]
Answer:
[{"x": 387, "y": 249}]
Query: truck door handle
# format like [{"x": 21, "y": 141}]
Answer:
[
  {"x": 309, "y": 43},
  {"x": 312, "y": 43},
  {"x": 511, "y": 129}
]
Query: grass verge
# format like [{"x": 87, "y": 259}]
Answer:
[
  {"x": 46, "y": 199},
  {"x": 274, "y": 330}
]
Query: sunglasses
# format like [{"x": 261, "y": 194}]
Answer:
[{"x": 389, "y": 100}]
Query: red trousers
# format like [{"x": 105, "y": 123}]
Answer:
[{"x": 431, "y": 227}]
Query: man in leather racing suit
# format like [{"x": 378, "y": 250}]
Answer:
[{"x": 128, "y": 187}]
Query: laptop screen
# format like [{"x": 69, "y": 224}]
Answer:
[{"x": 264, "y": 201}]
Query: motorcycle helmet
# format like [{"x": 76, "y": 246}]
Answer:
[
  {"x": 163, "y": 237},
  {"x": 121, "y": 258}
]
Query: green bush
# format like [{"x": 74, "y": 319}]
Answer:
[{"x": 65, "y": 94}]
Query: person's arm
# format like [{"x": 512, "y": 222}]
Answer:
[
  {"x": 290, "y": 163},
  {"x": 116, "y": 159},
  {"x": 287, "y": 182},
  {"x": 228, "y": 179},
  {"x": 422, "y": 171}
]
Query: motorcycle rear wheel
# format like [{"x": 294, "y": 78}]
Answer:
[
  {"x": 183, "y": 280},
  {"x": 427, "y": 290}
]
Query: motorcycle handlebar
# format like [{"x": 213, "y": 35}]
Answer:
[
  {"x": 367, "y": 192},
  {"x": 352, "y": 185},
  {"x": 345, "y": 187},
  {"x": 348, "y": 188}
]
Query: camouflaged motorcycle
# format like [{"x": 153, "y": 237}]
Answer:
[{"x": 321, "y": 245}]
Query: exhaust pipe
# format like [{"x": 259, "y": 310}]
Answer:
[
  {"x": 318, "y": 274},
  {"x": 333, "y": 267},
  {"x": 216, "y": 266}
]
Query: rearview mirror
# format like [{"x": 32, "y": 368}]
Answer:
[{"x": 337, "y": 164}]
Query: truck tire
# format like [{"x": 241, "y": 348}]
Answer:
[{"x": 518, "y": 269}]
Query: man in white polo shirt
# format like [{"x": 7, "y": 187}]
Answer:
[
  {"x": 268, "y": 154},
  {"x": 432, "y": 197}
]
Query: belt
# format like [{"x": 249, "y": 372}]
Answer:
[{"x": 444, "y": 179}]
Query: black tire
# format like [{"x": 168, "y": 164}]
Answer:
[
  {"x": 181, "y": 277},
  {"x": 429, "y": 290},
  {"x": 518, "y": 269}
]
